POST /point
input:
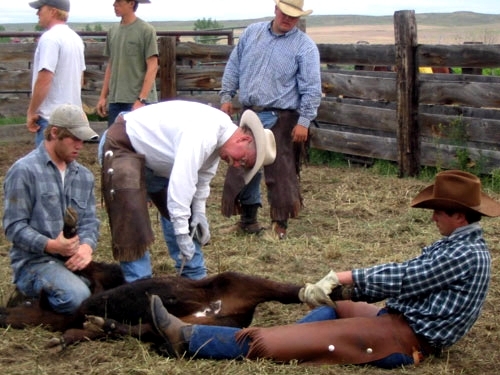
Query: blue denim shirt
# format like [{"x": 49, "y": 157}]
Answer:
[
  {"x": 35, "y": 201},
  {"x": 271, "y": 70}
]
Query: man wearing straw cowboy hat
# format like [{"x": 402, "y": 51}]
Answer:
[
  {"x": 171, "y": 151},
  {"x": 431, "y": 301},
  {"x": 276, "y": 69}
]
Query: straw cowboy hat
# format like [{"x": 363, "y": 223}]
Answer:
[
  {"x": 456, "y": 189},
  {"x": 292, "y": 8},
  {"x": 265, "y": 143}
]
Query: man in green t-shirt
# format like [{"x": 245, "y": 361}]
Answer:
[{"x": 132, "y": 48}]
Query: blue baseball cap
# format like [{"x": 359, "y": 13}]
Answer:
[{"x": 59, "y": 4}]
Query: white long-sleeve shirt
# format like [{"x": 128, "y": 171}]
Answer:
[{"x": 181, "y": 141}]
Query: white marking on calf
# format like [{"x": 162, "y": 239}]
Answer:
[{"x": 213, "y": 308}]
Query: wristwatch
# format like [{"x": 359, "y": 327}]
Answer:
[{"x": 142, "y": 100}]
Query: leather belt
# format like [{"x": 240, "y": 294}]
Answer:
[{"x": 259, "y": 109}]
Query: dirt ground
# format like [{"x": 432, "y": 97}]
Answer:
[{"x": 353, "y": 217}]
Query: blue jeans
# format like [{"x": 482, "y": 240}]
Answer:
[
  {"x": 141, "y": 268},
  {"x": 251, "y": 194},
  {"x": 39, "y": 136},
  {"x": 214, "y": 342},
  {"x": 65, "y": 290},
  {"x": 194, "y": 269},
  {"x": 114, "y": 109}
]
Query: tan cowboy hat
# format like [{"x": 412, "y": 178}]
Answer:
[
  {"x": 265, "y": 143},
  {"x": 456, "y": 189},
  {"x": 292, "y": 8}
]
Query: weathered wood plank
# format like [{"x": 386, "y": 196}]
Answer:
[
  {"x": 381, "y": 87},
  {"x": 199, "y": 78},
  {"x": 385, "y": 148},
  {"x": 205, "y": 52},
  {"x": 470, "y": 55},
  {"x": 470, "y": 94},
  {"x": 15, "y": 80},
  {"x": 360, "y": 54},
  {"x": 369, "y": 117}
]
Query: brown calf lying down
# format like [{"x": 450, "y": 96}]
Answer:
[{"x": 227, "y": 299}]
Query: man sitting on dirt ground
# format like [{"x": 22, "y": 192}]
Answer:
[
  {"x": 431, "y": 301},
  {"x": 38, "y": 189}
]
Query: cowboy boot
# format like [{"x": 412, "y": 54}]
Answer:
[
  {"x": 248, "y": 219},
  {"x": 175, "y": 332}
]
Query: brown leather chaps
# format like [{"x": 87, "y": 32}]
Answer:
[
  {"x": 355, "y": 340},
  {"x": 281, "y": 177},
  {"x": 124, "y": 191}
]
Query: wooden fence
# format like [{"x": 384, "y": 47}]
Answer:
[{"x": 401, "y": 115}]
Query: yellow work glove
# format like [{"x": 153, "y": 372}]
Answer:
[{"x": 318, "y": 294}]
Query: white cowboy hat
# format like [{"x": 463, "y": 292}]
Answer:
[
  {"x": 265, "y": 144},
  {"x": 292, "y": 8}
]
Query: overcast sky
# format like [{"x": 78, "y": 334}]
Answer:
[{"x": 169, "y": 10}]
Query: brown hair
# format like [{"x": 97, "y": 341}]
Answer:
[
  {"x": 470, "y": 216},
  {"x": 61, "y": 15},
  {"x": 61, "y": 133}
]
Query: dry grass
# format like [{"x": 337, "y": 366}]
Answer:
[
  {"x": 384, "y": 34},
  {"x": 353, "y": 218}
]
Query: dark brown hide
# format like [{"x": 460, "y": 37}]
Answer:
[{"x": 227, "y": 299}]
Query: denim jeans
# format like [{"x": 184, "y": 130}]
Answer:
[
  {"x": 141, "y": 268},
  {"x": 214, "y": 342},
  {"x": 114, "y": 109},
  {"x": 251, "y": 194},
  {"x": 39, "y": 136},
  {"x": 65, "y": 290},
  {"x": 194, "y": 269}
]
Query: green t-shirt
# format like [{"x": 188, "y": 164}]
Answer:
[{"x": 128, "y": 47}]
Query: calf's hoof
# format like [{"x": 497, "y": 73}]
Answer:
[
  {"x": 99, "y": 324},
  {"x": 56, "y": 345}
]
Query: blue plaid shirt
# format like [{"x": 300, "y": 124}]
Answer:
[
  {"x": 35, "y": 201},
  {"x": 441, "y": 292},
  {"x": 270, "y": 70}
]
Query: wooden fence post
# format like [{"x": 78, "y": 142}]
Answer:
[
  {"x": 168, "y": 80},
  {"x": 408, "y": 132}
]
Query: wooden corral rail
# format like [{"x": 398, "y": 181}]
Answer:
[{"x": 400, "y": 115}]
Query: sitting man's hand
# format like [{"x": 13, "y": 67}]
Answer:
[{"x": 318, "y": 294}]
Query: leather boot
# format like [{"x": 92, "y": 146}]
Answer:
[
  {"x": 175, "y": 332},
  {"x": 248, "y": 220}
]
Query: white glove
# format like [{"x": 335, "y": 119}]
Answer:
[
  {"x": 318, "y": 294},
  {"x": 186, "y": 246},
  {"x": 199, "y": 224}
]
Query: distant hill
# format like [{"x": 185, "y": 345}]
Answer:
[{"x": 434, "y": 19}]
